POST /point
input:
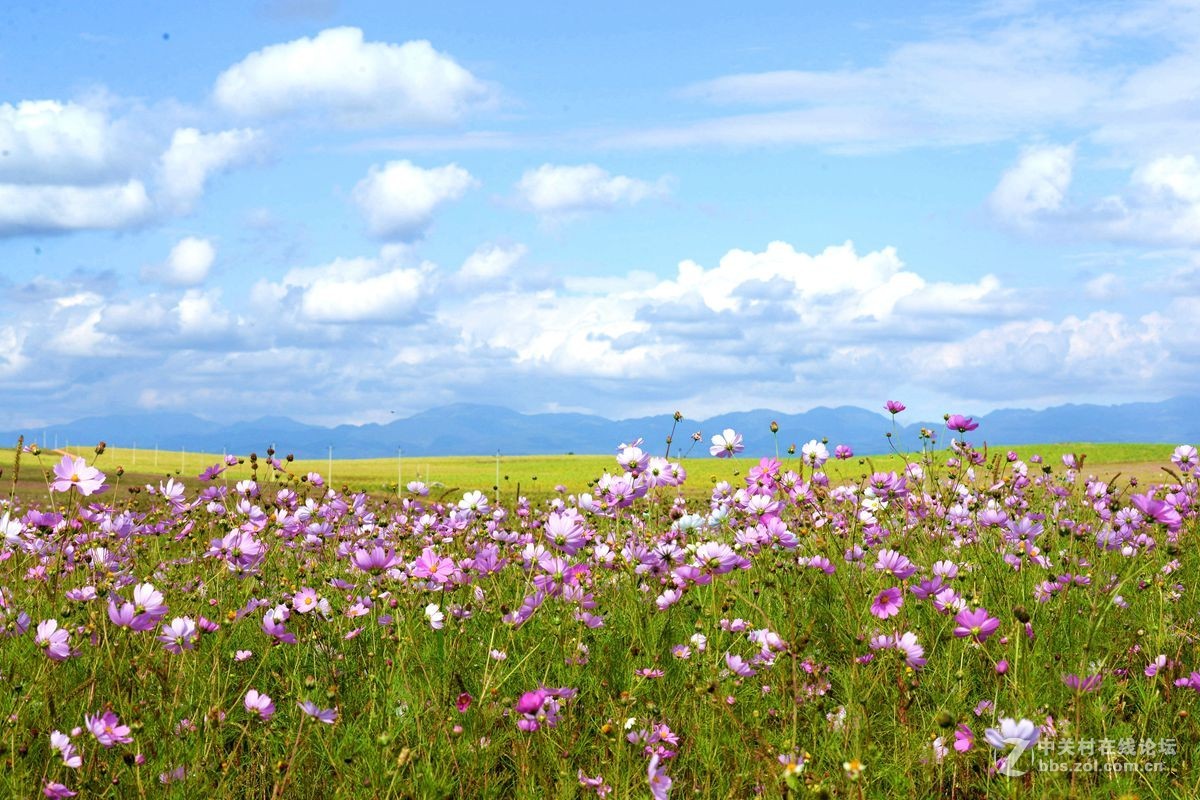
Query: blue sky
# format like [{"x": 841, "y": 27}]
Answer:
[{"x": 339, "y": 210}]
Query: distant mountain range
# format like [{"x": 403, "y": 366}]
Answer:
[{"x": 465, "y": 429}]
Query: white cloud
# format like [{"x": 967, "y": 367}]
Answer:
[
  {"x": 188, "y": 262},
  {"x": 359, "y": 83},
  {"x": 491, "y": 261},
  {"x": 1160, "y": 205},
  {"x": 1106, "y": 286},
  {"x": 47, "y": 141},
  {"x": 33, "y": 208},
  {"x": 559, "y": 190},
  {"x": 398, "y": 199},
  {"x": 388, "y": 289},
  {"x": 1037, "y": 184},
  {"x": 193, "y": 157}
]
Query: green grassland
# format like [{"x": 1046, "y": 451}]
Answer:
[{"x": 538, "y": 476}]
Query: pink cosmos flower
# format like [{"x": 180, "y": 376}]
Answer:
[
  {"x": 326, "y": 715},
  {"x": 259, "y": 704},
  {"x": 180, "y": 635},
  {"x": 305, "y": 600},
  {"x": 887, "y": 603},
  {"x": 726, "y": 443},
  {"x": 957, "y": 422},
  {"x": 74, "y": 472},
  {"x": 964, "y": 739},
  {"x": 738, "y": 666},
  {"x": 914, "y": 653},
  {"x": 433, "y": 567},
  {"x": 377, "y": 559},
  {"x": 53, "y": 640},
  {"x": 243, "y": 655},
  {"x": 145, "y": 612},
  {"x": 62, "y": 743},
  {"x": 894, "y": 407},
  {"x": 107, "y": 729},
  {"x": 660, "y": 782}
]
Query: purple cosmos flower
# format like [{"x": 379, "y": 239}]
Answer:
[
  {"x": 893, "y": 563},
  {"x": 259, "y": 704},
  {"x": 326, "y": 715},
  {"x": 74, "y": 472},
  {"x": 1190, "y": 682},
  {"x": 62, "y": 743},
  {"x": 738, "y": 666},
  {"x": 726, "y": 443},
  {"x": 107, "y": 729},
  {"x": 145, "y": 612},
  {"x": 377, "y": 559},
  {"x": 887, "y": 603},
  {"x": 53, "y": 640},
  {"x": 1087, "y": 684},
  {"x": 1160, "y": 511},
  {"x": 55, "y": 790},
  {"x": 660, "y": 782},
  {"x": 894, "y": 407},
  {"x": 977, "y": 624},
  {"x": 957, "y": 422},
  {"x": 273, "y": 624},
  {"x": 180, "y": 635},
  {"x": 843, "y": 451}
]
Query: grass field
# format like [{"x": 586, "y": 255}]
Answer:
[
  {"x": 797, "y": 639},
  {"x": 537, "y": 477}
]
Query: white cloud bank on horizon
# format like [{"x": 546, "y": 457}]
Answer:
[{"x": 776, "y": 327}]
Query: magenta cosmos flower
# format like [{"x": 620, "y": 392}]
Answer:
[
  {"x": 53, "y": 640},
  {"x": 978, "y": 624},
  {"x": 894, "y": 406},
  {"x": 726, "y": 443},
  {"x": 887, "y": 603},
  {"x": 107, "y": 729},
  {"x": 74, "y": 473},
  {"x": 957, "y": 422}
]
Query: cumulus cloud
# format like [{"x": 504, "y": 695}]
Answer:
[
  {"x": 1036, "y": 185},
  {"x": 491, "y": 261},
  {"x": 193, "y": 157},
  {"x": 188, "y": 262},
  {"x": 388, "y": 289},
  {"x": 398, "y": 199},
  {"x": 1159, "y": 205},
  {"x": 32, "y": 208},
  {"x": 559, "y": 190},
  {"x": 47, "y": 141},
  {"x": 359, "y": 83}
]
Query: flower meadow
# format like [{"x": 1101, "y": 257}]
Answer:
[{"x": 972, "y": 625}]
